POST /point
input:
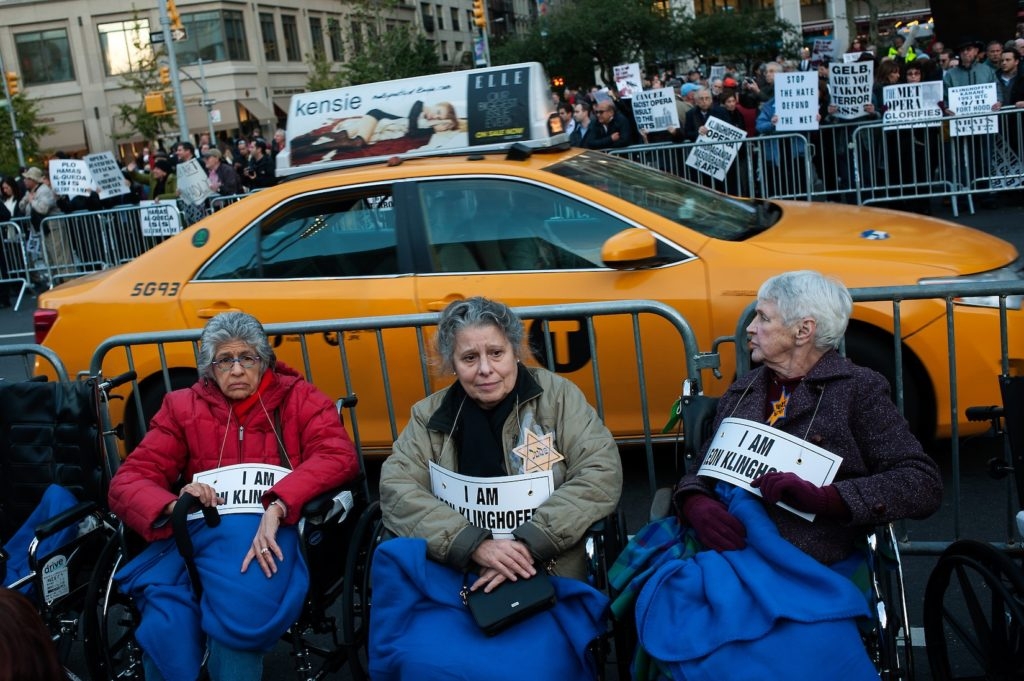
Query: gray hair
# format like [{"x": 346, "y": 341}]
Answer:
[
  {"x": 476, "y": 311},
  {"x": 805, "y": 293},
  {"x": 233, "y": 326}
]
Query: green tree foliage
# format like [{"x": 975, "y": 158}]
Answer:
[
  {"x": 400, "y": 52},
  {"x": 26, "y": 113},
  {"x": 582, "y": 38},
  {"x": 132, "y": 115}
]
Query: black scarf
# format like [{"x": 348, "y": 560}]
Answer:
[{"x": 481, "y": 450}]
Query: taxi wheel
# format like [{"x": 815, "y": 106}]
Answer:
[
  {"x": 151, "y": 392},
  {"x": 873, "y": 349}
]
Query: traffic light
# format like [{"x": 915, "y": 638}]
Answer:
[
  {"x": 479, "y": 14},
  {"x": 558, "y": 82},
  {"x": 12, "y": 83},
  {"x": 155, "y": 103},
  {"x": 172, "y": 13},
  {"x": 165, "y": 75}
]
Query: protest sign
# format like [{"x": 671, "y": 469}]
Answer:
[
  {"x": 973, "y": 99},
  {"x": 850, "y": 57},
  {"x": 822, "y": 49},
  {"x": 796, "y": 100},
  {"x": 1007, "y": 170},
  {"x": 70, "y": 177},
  {"x": 106, "y": 175},
  {"x": 193, "y": 184},
  {"x": 912, "y": 105},
  {"x": 241, "y": 486},
  {"x": 849, "y": 87},
  {"x": 655, "y": 109},
  {"x": 159, "y": 218},
  {"x": 717, "y": 71},
  {"x": 627, "y": 80},
  {"x": 712, "y": 155},
  {"x": 743, "y": 450},
  {"x": 499, "y": 504}
]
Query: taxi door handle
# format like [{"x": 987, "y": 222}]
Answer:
[
  {"x": 208, "y": 312},
  {"x": 438, "y": 305}
]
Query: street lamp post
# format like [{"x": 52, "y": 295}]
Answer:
[
  {"x": 18, "y": 134},
  {"x": 172, "y": 62}
]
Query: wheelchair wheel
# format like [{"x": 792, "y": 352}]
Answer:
[
  {"x": 357, "y": 592},
  {"x": 889, "y": 644},
  {"x": 109, "y": 621},
  {"x": 974, "y": 614}
]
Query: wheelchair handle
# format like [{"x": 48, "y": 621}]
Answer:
[
  {"x": 109, "y": 384},
  {"x": 983, "y": 413}
]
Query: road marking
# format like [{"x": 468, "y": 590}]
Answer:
[{"x": 17, "y": 335}]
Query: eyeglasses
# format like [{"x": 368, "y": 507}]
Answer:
[{"x": 226, "y": 364}]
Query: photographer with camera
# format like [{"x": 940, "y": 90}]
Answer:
[{"x": 259, "y": 172}]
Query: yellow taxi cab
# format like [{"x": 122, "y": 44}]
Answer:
[{"x": 534, "y": 223}]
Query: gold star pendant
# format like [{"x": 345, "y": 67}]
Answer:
[{"x": 538, "y": 452}]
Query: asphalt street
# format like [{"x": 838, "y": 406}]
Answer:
[{"x": 982, "y": 497}]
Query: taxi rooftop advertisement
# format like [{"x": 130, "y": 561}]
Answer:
[{"x": 464, "y": 109}]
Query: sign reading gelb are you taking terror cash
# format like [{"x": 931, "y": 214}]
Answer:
[
  {"x": 743, "y": 450},
  {"x": 498, "y": 504}
]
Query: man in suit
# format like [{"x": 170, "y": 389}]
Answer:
[
  {"x": 583, "y": 123},
  {"x": 611, "y": 130},
  {"x": 805, "y": 59}
]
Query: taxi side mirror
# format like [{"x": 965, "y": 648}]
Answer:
[{"x": 631, "y": 249}]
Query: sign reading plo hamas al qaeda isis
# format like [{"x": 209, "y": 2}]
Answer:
[
  {"x": 743, "y": 450},
  {"x": 241, "y": 486}
]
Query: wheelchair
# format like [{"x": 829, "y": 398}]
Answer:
[
  {"x": 886, "y": 637},
  {"x": 974, "y": 598},
  {"x": 345, "y": 522},
  {"x": 55, "y": 434}
]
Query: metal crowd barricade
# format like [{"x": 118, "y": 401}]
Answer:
[
  {"x": 398, "y": 346},
  {"x": 17, "y": 261},
  {"x": 79, "y": 243},
  {"x": 1007, "y": 294}
]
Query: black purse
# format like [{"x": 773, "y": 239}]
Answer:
[{"x": 510, "y": 603}]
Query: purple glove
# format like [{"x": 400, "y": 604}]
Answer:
[
  {"x": 716, "y": 528},
  {"x": 791, "y": 489}
]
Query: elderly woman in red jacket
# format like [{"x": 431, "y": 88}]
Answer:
[{"x": 246, "y": 408}]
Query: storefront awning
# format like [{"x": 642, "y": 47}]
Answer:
[
  {"x": 64, "y": 137},
  {"x": 282, "y": 104},
  {"x": 198, "y": 122},
  {"x": 258, "y": 110}
]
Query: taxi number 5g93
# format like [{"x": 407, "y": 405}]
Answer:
[{"x": 155, "y": 288}]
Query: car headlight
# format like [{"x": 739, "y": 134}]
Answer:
[{"x": 1010, "y": 273}]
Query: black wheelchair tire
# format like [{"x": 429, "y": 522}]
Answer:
[
  {"x": 108, "y": 622},
  {"x": 989, "y": 586},
  {"x": 357, "y": 590}
]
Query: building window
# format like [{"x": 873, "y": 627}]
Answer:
[
  {"x": 316, "y": 33},
  {"x": 269, "y": 32},
  {"x": 337, "y": 44},
  {"x": 455, "y": 18},
  {"x": 212, "y": 36},
  {"x": 125, "y": 44},
  {"x": 357, "y": 37},
  {"x": 291, "y": 38},
  {"x": 44, "y": 57},
  {"x": 444, "y": 51},
  {"x": 440, "y": 17}
]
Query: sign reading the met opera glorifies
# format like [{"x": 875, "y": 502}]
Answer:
[
  {"x": 96, "y": 172},
  {"x": 967, "y": 100},
  {"x": 712, "y": 155},
  {"x": 655, "y": 109},
  {"x": 912, "y": 105},
  {"x": 849, "y": 87},
  {"x": 743, "y": 450},
  {"x": 796, "y": 100}
]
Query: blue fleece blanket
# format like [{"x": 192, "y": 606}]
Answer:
[
  {"x": 244, "y": 611},
  {"x": 55, "y": 500},
  {"x": 769, "y": 611},
  {"x": 419, "y": 628}
]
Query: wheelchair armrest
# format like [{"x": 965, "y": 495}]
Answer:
[
  {"x": 319, "y": 506},
  {"x": 64, "y": 520},
  {"x": 661, "y": 504}
]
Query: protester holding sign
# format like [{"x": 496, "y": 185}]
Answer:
[
  {"x": 805, "y": 411},
  {"x": 246, "y": 408},
  {"x": 498, "y": 422},
  {"x": 161, "y": 183}
]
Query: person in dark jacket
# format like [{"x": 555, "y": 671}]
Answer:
[
  {"x": 223, "y": 178},
  {"x": 804, "y": 387},
  {"x": 611, "y": 129},
  {"x": 246, "y": 408},
  {"x": 260, "y": 170}
]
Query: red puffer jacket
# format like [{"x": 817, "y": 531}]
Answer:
[{"x": 195, "y": 430}]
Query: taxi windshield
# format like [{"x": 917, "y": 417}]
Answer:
[{"x": 710, "y": 213}]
